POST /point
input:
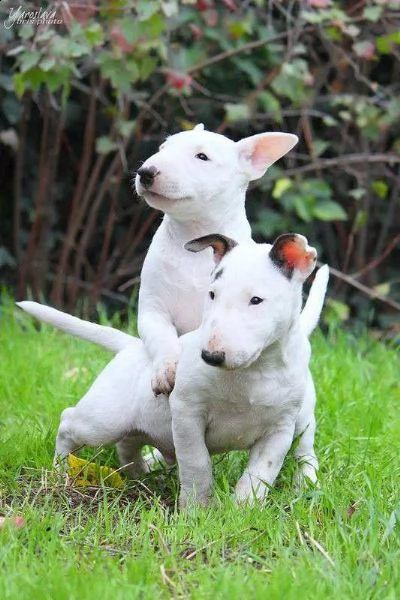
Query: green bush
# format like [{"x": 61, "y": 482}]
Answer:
[{"x": 86, "y": 98}]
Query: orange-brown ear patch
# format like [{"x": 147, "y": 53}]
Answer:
[
  {"x": 219, "y": 243},
  {"x": 290, "y": 251}
]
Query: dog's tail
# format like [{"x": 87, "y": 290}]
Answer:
[
  {"x": 315, "y": 301},
  {"x": 108, "y": 337}
]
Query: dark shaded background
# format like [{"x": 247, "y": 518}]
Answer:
[{"x": 86, "y": 98}]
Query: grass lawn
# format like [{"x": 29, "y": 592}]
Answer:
[{"x": 340, "y": 540}]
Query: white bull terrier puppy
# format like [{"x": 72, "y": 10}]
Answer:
[
  {"x": 243, "y": 380},
  {"x": 199, "y": 180},
  {"x": 254, "y": 389}
]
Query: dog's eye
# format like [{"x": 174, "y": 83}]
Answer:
[
  {"x": 202, "y": 156},
  {"x": 256, "y": 300},
  {"x": 212, "y": 295}
]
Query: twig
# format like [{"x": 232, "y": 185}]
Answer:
[
  {"x": 107, "y": 237},
  {"x": 18, "y": 175},
  {"x": 166, "y": 579},
  {"x": 160, "y": 535},
  {"x": 327, "y": 163},
  {"x": 89, "y": 286},
  {"x": 137, "y": 240},
  {"x": 374, "y": 263},
  {"x": 39, "y": 201},
  {"x": 74, "y": 221},
  {"x": 320, "y": 548},
  {"x": 299, "y": 533},
  {"x": 240, "y": 49},
  {"x": 363, "y": 288},
  {"x": 92, "y": 212},
  {"x": 129, "y": 283}
]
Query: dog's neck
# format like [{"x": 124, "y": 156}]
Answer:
[{"x": 232, "y": 222}]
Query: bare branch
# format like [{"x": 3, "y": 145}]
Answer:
[
  {"x": 373, "y": 294},
  {"x": 328, "y": 163}
]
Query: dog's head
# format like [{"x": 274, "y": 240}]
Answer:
[
  {"x": 198, "y": 170},
  {"x": 254, "y": 296}
]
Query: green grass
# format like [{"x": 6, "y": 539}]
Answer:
[{"x": 339, "y": 541}]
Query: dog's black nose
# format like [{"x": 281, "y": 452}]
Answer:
[
  {"x": 146, "y": 175},
  {"x": 213, "y": 358}
]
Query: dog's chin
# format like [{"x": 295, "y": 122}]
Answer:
[{"x": 159, "y": 201}]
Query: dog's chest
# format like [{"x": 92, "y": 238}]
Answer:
[
  {"x": 235, "y": 429},
  {"x": 187, "y": 278},
  {"x": 245, "y": 414}
]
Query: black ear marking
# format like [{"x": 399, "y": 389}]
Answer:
[
  {"x": 218, "y": 274},
  {"x": 277, "y": 254},
  {"x": 219, "y": 243}
]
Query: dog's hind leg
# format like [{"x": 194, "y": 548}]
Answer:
[
  {"x": 129, "y": 451},
  {"x": 78, "y": 429}
]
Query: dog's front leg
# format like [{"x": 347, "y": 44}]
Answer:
[
  {"x": 161, "y": 341},
  {"x": 305, "y": 428},
  {"x": 265, "y": 462},
  {"x": 194, "y": 462}
]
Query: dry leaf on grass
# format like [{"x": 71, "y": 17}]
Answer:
[{"x": 85, "y": 473}]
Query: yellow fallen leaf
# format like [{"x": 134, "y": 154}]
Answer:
[{"x": 85, "y": 473}]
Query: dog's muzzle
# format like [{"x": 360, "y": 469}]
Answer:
[
  {"x": 216, "y": 359},
  {"x": 147, "y": 175}
]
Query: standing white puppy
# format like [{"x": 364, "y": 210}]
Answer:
[
  {"x": 253, "y": 387},
  {"x": 199, "y": 180}
]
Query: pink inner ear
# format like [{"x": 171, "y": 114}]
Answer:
[
  {"x": 260, "y": 151},
  {"x": 268, "y": 150}
]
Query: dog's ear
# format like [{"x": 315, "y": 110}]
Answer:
[
  {"x": 219, "y": 243},
  {"x": 293, "y": 256},
  {"x": 199, "y": 127},
  {"x": 258, "y": 152}
]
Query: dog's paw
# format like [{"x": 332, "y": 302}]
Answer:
[
  {"x": 191, "y": 501},
  {"x": 163, "y": 379},
  {"x": 305, "y": 477},
  {"x": 250, "y": 491}
]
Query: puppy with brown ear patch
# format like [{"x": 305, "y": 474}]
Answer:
[
  {"x": 242, "y": 382},
  {"x": 253, "y": 389}
]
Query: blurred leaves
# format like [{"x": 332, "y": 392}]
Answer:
[
  {"x": 118, "y": 75},
  {"x": 309, "y": 199}
]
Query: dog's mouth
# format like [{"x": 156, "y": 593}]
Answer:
[{"x": 157, "y": 198}]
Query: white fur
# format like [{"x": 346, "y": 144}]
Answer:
[
  {"x": 260, "y": 399},
  {"x": 198, "y": 197}
]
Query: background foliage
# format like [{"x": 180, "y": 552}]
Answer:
[{"x": 84, "y": 100}]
